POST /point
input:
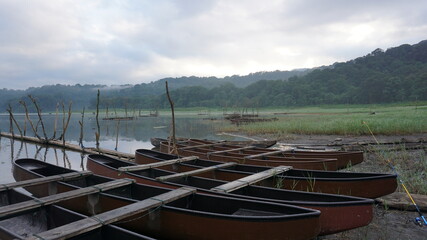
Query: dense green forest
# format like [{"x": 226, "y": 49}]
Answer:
[{"x": 396, "y": 75}]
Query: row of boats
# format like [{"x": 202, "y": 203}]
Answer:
[{"x": 188, "y": 196}]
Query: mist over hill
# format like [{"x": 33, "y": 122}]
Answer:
[{"x": 382, "y": 76}]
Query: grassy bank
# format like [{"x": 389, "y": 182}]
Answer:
[{"x": 382, "y": 119}]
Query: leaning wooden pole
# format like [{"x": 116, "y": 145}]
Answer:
[
  {"x": 39, "y": 113},
  {"x": 174, "y": 149},
  {"x": 12, "y": 118},
  {"x": 29, "y": 120}
]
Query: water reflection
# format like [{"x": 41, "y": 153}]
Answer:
[{"x": 131, "y": 135}]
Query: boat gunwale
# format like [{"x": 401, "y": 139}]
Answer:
[
  {"x": 355, "y": 201},
  {"x": 308, "y": 214},
  {"x": 284, "y": 175}
]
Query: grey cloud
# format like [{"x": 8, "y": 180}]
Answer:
[{"x": 107, "y": 42}]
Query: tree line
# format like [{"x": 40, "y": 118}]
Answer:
[{"x": 396, "y": 75}]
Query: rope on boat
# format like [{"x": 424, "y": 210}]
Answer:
[{"x": 420, "y": 219}]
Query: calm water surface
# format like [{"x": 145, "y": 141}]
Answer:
[{"x": 132, "y": 135}]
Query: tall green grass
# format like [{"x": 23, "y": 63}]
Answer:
[{"x": 384, "y": 120}]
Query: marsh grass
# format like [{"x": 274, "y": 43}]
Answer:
[
  {"x": 409, "y": 165},
  {"x": 384, "y": 120}
]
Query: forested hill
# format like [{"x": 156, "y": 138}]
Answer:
[
  {"x": 398, "y": 74},
  {"x": 136, "y": 96}
]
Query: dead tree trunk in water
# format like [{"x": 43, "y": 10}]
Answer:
[
  {"x": 39, "y": 113},
  {"x": 29, "y": 120},
  {"x": 65, "y": 125},
  {"x": 9, "y": 110},
  {"x": 174, "y": 149},
  {"x": 81, "y": 123},
  {"x": 56, "y": 121},
  {"x": 98, "y": 133}
]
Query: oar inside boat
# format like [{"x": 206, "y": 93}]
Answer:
[
  {"x": 97, "y": 221},
  {"x": 246, "y": 181}
]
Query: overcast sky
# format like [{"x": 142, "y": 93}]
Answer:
[{"x": 133, "y": 41}]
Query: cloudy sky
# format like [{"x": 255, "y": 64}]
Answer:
[{"x": 133, "y": 41}]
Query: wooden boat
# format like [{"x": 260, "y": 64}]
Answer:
[
  {"x": 367, "y": 185},
  {"x": 49, "y": 217},
  {"x": 339, "y": 213},
  {"x": 258, "y": 143},
  {"x": 352, "y": 157},
  {"x": 217, "y": 150},
  {"x": 197, "y": 216},
  {"x": 300, "y": 163}
]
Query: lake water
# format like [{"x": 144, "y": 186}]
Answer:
[{"x": 132, "y": 135}]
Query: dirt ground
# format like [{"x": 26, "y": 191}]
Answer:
[{"x": 387, "y": 223}]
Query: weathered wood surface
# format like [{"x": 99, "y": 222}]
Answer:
[
  {"x": 68, "y": 146},
  {"x": 194, "y": 172},
  {"x": 36, "y": 181},
  {"x": 112, "y": 152},
  {"x": 231, "y": 150},
  {"x": 157, "y": 164},
  {"x": 203, "y": 145},
  {"x": 97, "y": 221},
  {"x": 266, "y": 154},
  {"x": 251, "y": 179},
  {"x": 9, "y": 210},
  {"x": 401, "y": 201}
]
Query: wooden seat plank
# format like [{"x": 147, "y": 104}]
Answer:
[
  {"x": 194, "y": 172},
  {"x": 266, "y": 154},
  {"x": 158, "y": 164},
  {"x": 37, "y": 181},
  {"x": 231, "y": 150},
  {"x": 97, "y": 221},
  {"x": 14, "y": 209},
  {"x": 251, "y": 179},
  {"x": 202, "y": 145}
]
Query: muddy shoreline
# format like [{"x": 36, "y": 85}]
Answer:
[{"x": 387, "y": 223}]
